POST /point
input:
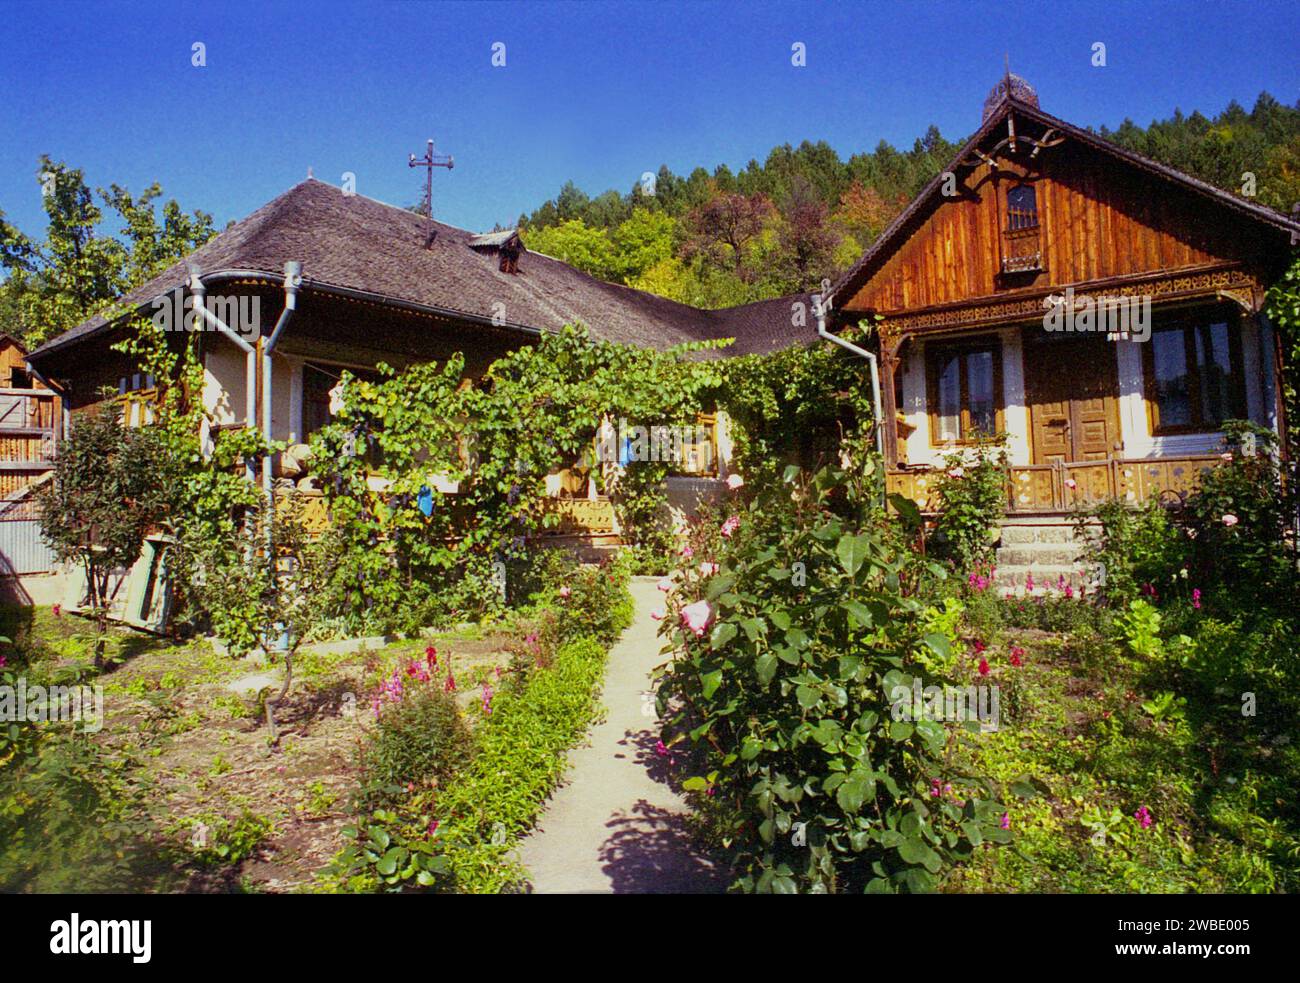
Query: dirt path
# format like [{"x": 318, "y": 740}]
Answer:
[{"x": 617, "y": 825}]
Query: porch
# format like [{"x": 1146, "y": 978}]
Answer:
[{"x": 1057, "y": 488}]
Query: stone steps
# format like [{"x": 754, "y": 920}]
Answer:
[{"x": 1048, "y": 551}]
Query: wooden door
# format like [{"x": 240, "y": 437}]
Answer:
[{"x": 1072, "y": 391}]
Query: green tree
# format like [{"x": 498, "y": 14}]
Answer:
[
  {"x": 109, "y": 489},
  {"x": 80, "y": 268}
]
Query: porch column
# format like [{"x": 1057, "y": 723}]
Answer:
[{"x": 889, "y": 347}]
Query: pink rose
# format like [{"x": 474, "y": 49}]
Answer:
[
  {"x": 1071, "y": 483},
  {"x": 665, "y": 585},
  {"x": 696, "y": 617},
  {"x": 730, "y": 526},
  {"x": 565, "y": 592},
  {"x": 1230, "y": 520},
  {"x": 687, "y": 552}
]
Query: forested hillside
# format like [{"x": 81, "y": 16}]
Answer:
[{"x": 718, "y": 238}]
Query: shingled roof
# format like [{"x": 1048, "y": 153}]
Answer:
[{"x": 355, "y": 244}]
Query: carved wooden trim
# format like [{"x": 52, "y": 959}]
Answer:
[{"x": 1231, "y": 282}]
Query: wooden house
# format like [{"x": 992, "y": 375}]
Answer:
[{"x": 1103, "y": 311}]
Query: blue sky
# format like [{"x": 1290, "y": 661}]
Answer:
[{"x": 594, "y": 92}]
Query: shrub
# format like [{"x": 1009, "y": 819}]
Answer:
[
  {"x": 787, "y": 660},
  {"x": 972, "y": 500},
  {"x": 1133, "y": 547},
  {"x": 418, "y": 738},
  {"x": 1236, "y": 523}
]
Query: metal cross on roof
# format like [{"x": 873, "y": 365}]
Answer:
[{"x": 429, "y": 161}]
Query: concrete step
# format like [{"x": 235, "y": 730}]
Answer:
[
  {"x": 1039, "y": 555},
  {"x": 1046, "y": 579},
  {"x": 1017, "y": 534}
]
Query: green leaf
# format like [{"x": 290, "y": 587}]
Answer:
[
  {"x": 858, "y": 613},
  {"x": 852, "y": 552},
  {"x": 855, "y": 790},
  {"x": 938, "y": 644},
  {"x": 710, "y": 681},
  {"x": 388, "y": 862},
  {"x": 723, "y": 632},
  {"x": 765, "y": 668}
]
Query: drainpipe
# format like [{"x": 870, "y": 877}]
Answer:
[
  {"x": 200, "y": 293},
  {"x": 822, "y": 332},
  {"x": 292, "y": 283}
]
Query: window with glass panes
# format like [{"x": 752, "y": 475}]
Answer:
[
  {"x": 965, "y": 390},
  {"x": 1194, "y": 372}
]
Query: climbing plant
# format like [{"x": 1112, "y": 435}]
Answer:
[{"x": 395, "y": 442}]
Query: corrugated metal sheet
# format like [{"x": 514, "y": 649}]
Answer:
[{"x": 21, "y": 548}]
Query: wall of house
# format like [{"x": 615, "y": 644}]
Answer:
[
  {"x": 920, "y": 449},
  {"x": 1256, "y": 349},
  {"x": 225, "y": 386}
]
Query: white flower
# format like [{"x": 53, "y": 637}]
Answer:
[
  {"x": 1230, "y": 520},
  {"x": 734, "y": 481}
]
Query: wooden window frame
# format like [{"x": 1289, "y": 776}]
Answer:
[
  {"x": 1187, "y": 323},
  {"x": 1010, "y": 235},
  {"x": 933, "y": 354}
]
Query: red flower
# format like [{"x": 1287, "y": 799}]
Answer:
[{"x": 984, "y": 667}]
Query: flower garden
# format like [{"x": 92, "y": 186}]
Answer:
[{"x": 850, "y": 699}]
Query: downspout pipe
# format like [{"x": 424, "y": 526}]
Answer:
[
  {"x": 200, "y": 294},
  {"x": 823, "y": 332},
  {"x": 292, "y": 284}
]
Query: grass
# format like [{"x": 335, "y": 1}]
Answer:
[{"x": 1089, "y": 723}]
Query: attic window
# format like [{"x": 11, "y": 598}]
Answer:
[
  {"x": 1022, "y": 244},
  {"x": 509, "y": 261}
]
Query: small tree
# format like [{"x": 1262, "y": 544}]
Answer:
[
  {"x": 262, "y": 588},
  {"x": 107, "y": 492}
]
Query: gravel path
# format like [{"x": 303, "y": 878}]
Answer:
[{"x": 616, "y": 826}]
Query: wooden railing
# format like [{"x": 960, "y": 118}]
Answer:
[{"x": 1064, "y": 487}]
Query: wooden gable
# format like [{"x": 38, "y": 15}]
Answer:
[{"x": 1100, "y": 219}]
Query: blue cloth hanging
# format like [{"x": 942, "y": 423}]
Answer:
[{"x": 425, "y": 500}]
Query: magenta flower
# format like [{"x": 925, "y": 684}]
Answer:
[
  {"x": 687, "y": 552},
  {"x": 1017, "y": 655},
  {"x": 1196, "y": 598},
  {"x": 730, "y": 526},
  {"x": 433, "y": 827},
  {"x": 1143, "y": 816},
  {"x": 1005, "y": 822}
]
